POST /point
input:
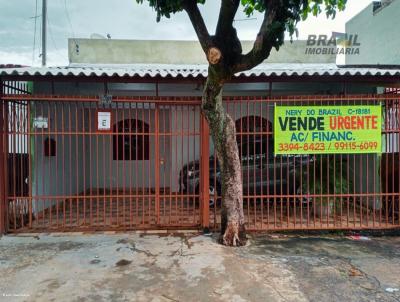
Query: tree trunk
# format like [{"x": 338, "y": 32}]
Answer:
[{"x": 223, "y": 132}]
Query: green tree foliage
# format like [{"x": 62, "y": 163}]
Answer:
[{"x": 290, "y": 12}]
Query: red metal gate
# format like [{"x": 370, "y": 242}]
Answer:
[
  {"x": 355, "y": 191},
  {"x": 152, "y": 165},
  {"x": 98, "y": 165}
]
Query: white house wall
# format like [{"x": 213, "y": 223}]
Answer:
[{"x": 60, "y": 174}]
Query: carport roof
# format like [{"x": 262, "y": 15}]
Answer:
[{"x": 200, "y": 71}]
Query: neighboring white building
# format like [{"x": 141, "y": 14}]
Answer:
[{"x": 377, "y": 27}]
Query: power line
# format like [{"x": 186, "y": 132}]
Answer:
[
  {"x": 53, "y": 40},
  {"x": 72, "y": 28},
  {"x": 69, "y": 19},
  {"x": 245, "y": 19},
  {"x": 51, "y": 34}
]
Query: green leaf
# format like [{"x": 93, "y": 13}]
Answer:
[{"x": 288, "y": 14}]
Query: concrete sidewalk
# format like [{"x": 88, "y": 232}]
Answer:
[{"x": 134, "y": 267}]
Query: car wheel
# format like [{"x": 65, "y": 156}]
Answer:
[
  {"x": 212, "y": 192},
  {"x": 303, "y": 199},
  {"x": 213, "y": 195}
]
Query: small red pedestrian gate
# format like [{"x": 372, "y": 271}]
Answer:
[{"x": 90, "y": 163}]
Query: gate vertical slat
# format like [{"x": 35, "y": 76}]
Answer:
[
  {"x": 29, "y": 129},
  {"x": 205, "y": 173},
  {"x": 157, "y": 163},
  {"x": 3, "y": 156}
]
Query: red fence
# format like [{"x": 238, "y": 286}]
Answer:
[
  {"x": 335, "y": 191},
  {"x": 150, "y": 165},
  {"x": 83, "y": 176}
]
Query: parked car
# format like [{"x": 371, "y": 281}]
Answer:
[{"x": 263, "y": 173}]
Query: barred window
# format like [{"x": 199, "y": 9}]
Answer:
[{"x": 131, "y": 140}]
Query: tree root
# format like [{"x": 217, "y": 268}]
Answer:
[{"x": 234, "y": 235}]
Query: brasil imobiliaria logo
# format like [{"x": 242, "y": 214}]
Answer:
[{"x": 336, "y": 44}]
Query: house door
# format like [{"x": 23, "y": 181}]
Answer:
[{"x": 178, "y": 145}]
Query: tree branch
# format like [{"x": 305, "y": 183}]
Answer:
[
  {"x": 270, "y": 35},
  {"x": 190, "y": 6},
  {"x": 226, "y": 17}
]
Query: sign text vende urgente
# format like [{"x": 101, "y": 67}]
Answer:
[{"x": 327, "y": 129}]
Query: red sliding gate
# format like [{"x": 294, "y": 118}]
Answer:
[
  {"x": 81, "y": 163},
  {"x": 330, "y": 191},
  {"x": 85, "y": 175}
]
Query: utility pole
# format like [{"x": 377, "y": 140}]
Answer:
[{"x": 44, "y": 30}]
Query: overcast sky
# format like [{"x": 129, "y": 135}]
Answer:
[{"x": 122, "y": 19}]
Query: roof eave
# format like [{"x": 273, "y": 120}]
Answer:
[{"x": 368, "y": 78}]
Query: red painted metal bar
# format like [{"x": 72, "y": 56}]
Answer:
[
  {"x": 96, "y": 99},
  {"x": 157, "y": 163},
  {"x": 197, "y": 101},
  {"x": 3, "y": 158},
  {"x": 205, "y": 168}
]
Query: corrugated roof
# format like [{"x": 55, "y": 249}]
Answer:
[{"x": 199, "y": 71}]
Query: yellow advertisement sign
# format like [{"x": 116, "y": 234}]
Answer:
[{"x": 327, "y": 129}]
